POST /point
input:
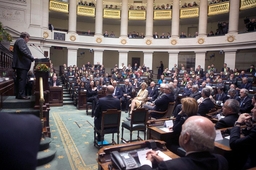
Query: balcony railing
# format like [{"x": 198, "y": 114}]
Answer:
[
  {"x": 137, "y": 14},
  {"x": 189, "y": 12},
  {"x": 59, "y": 6},
  {"x": 162, "y": 14},
  {"x": 246, "y": 4},
  {"x": 220, "y": 8},
  {"x": 112, "y": 13},
  {"x": 86, "y": 11}
]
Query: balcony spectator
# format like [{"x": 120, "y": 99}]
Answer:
[
  {"x": 195, "y": 4},
  {"x": 168, "y": 6},
  {"x": 142, "y": 35},
  {"x": 155, "y": 35},
  {"x": 183, "y": 35},
  {"x": 162, "y": 36},
  {"x": 131, "y": 7},
  {"x": 211, "y": 33},
  {"x": 158, "y": 7},
  {"x": 105, "y": 34},
  {"x": 51, "y": 27},
  {"x": 184, "y": 6},
  {"x": 196, "y": 34},
  {"x": 112, "y": 35},
  {"x": 106, "y": 6},
  {"x": 250, "y": 25}
]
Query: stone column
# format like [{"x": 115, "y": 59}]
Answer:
[
  {"x": 200, "y": 59},
  {"x": 175, "y": 18},
  {"x": 173, "y": 59},
  {"x": 72, "y": 16},
  {"x": 98, "y": 19},
  {"x": 72, "y": 56},
  {"x": 233, "y": 16},
  {"x": 124, "y": 18},
  {"x": 149, "y": 19},
  {"x": 148, "y": 59},
  {"x": 45, "y": 20},
  {"x": 98, "y": 56},
  {"x": 230, "y": 58},
  {"x": 123, "y": 58},
  {"x": 202, "y": 30}
]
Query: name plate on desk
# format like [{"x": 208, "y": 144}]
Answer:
[{"x": 218, "y": 135}]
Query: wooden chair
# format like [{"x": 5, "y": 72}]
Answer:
[
  {"x": 138, "y": 122},
  {"x": 167, "y": 113},
  {"x": 110, "y": 124}
]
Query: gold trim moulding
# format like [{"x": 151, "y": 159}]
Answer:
[
  {"x": 247, "y": 4},
  {"x": 112, "y": 13},
  {"x": 58, "y": 6},
  {"x": 189, "y": 12},
  {"x": 219, "y": 8},
  {"x": 137, "y": 14},
  {"x": 162, "y": 14},
  {"x": 86, "y": 11}
]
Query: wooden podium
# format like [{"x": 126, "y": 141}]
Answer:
[{"x": 46, "y": 88}]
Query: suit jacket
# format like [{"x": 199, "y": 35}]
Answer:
[
  {"x": 21, "y": 136},
  {"x": 244, "y": 146},
  {"x": 152, "y": 93},
  {"x": 162, "y": 103},
  {"x": 205, "y": 107},
  {"x": 57, "y": 83},
  {"x": 245, "y": 104},
  {"x": 195, "y": 95},
  {"x": 247, "y": 86},
  {"x": 227, "y": 121},
  {"x": 22, "y": 56},
  {"x": 193, "y": 161},
  {"x": 127, "y": 90},
  {"x": 118, "y": 92},
  {"x": 221, "y": 97},
  {"x": 104, "y": 103}
]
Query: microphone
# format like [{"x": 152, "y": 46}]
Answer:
[{"x": 37, "y": 48}]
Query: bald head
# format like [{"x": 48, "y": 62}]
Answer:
[
  {"x": 198, "y": 134},
  {"x": 110, "y": 90}
]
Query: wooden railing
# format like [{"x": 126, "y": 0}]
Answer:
[
  {"x": 189, "y": 12},
  {"x": 246, "y": 4},
  {"x": 220, "y": 8},
  {"x": 59, "y": 6}
]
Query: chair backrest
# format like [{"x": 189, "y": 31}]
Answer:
[
  {"x": 110, "y": 118},
  {"x": 169, "y": 110},
  {"x": 139, "y": 116}
]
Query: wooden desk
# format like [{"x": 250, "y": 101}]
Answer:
[
  {"x": 56, "y": 96},
  {"x": 104, "y": 159},
  {"x": 222, "y": 147}
]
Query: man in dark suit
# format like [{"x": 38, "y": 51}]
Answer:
[
  {"x": 245, "y": 84},
  {"x": 242, "y": 141},
  {"x": 221, "y": 96},
  {"x": 245, "y": 101},
  {"x": 162, "y": 103},
  {"x": 22, "y": 59},
  {"x": 104, "y": 103},
  {"x": 207, "y": 103},
  {"x": 230, "y": 110},
  {"x": 197, "y": 139},
  {"x": 54, "y": 82},
  {"x": 20, "y": 139},
  {"x": 117, "y": 93},
  {"x": 127, "y": 93},
  {"x": 152, "y": 92}
]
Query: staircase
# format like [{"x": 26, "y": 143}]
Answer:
[
  {"x": 13, "y": 106},
  {"x": 67, "y": 100}
]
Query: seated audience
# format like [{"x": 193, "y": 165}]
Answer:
[
  {"x": 245, "y": 84},
  {"x": 117, "y": 90},
  {"x": 230, "y": 110},
  {"x": 140, "y": 98},
  {"x": 245, "y": 101},
  {"x": 221, "y": 96},
  {"x": 197, "y": 139},
  {"x": 206, "y": 105},
  {"x": 54, "y": 82},
  {"x": 152, "y": 92},
  {"x": 162, "y": 103},
  {"x": 127, "y": 93},
  {"x": 242, "y": 141}
]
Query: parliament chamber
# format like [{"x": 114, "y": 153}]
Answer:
[{"x": 184, "y": 47}]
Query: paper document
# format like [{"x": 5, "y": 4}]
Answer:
[
  {"x": 227, "y": 137},
  {"x": 165, "y": 129},
  {"x": 143, "y": 156},
  {"x": 218, "y": 135},
  {"x": 168, "y": 123}
]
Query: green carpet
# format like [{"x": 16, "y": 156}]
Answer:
[{"x": 72, "y": 135}]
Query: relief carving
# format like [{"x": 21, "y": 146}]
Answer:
[{"x": 12, "y": 14}]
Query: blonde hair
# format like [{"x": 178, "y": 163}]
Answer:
[{"x": 189, "y": 106}]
